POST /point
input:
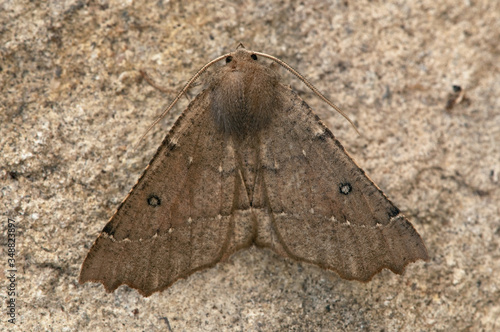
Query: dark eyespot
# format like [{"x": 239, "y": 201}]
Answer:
[
  {"x": 254, "y": 56},
  {"x": 154, "y": 201},
  {"x": 345, "y": 188},
  {"x": 229, "y": 59}
]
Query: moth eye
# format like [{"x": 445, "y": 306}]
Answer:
[
  {"x": 229, "y": 59},
  {"x": 253, "y": 56}
]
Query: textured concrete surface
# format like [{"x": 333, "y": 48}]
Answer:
[{"x": 73, "y": 104}]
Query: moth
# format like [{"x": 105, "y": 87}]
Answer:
[{"x": 249, "y": 163}]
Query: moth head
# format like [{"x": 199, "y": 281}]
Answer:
[{"x": 241, "y": 57}]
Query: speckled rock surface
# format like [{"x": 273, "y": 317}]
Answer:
[{"x": 73, "y": 104}]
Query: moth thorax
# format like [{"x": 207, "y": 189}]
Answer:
[{"x": 244, "y": 101}]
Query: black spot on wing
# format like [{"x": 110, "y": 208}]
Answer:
[
  {"x": 345, "y": 188},
  {"x": 108, "y": 229},
  {"x": 154, "y": 201},
  {"x": 324, "y": 135},
  {"x": 394, "y": 211}
]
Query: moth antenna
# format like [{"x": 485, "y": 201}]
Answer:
[
  {"x": 309, "y": 85},
  {"x": 183, "y": 91}
]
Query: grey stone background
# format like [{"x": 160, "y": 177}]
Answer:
[{"x": 73, "y": 103}]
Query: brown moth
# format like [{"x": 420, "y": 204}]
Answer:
[{"x": 249, "y": 163}]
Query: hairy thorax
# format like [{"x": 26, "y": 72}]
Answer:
[{"x": 245, "y": 95}]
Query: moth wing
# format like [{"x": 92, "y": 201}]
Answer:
[
  {"x": 185, "y": 213},
  {"x": 323, "y": 209}
]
